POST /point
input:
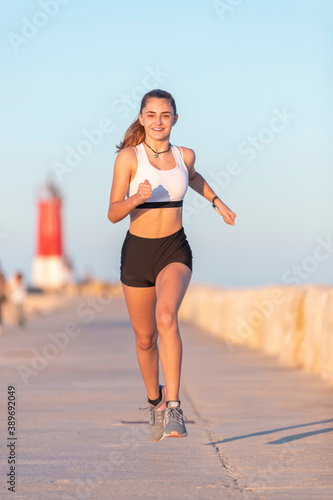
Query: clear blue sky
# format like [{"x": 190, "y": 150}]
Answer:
[{"x": 67, "y": 68}]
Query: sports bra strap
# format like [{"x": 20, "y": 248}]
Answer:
[{"x": 181, "y": 151}]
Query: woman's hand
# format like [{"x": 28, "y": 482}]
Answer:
[
  {"x": 144, "y": 191},
  {"x": 227, "y": 214}
]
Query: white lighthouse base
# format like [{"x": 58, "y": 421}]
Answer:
[{"x": 48, "y": 272}]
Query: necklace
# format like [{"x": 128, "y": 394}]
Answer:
[{"x": 156, "y": 154}]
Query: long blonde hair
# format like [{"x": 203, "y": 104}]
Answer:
[{"x": 135, "y": 134}]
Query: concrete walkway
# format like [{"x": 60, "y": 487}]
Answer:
[{"x": 256, "y": 429}]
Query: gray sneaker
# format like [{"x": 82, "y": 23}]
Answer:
[
  {"x": 156, "y": 423},
  {"x": 174, "y": 421}
]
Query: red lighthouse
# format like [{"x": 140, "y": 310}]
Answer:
[{"x": 49, "y": 270}]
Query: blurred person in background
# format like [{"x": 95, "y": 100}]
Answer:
[
  {"x": 3, "y": 296},
  {"x": 18, "y": 296}
]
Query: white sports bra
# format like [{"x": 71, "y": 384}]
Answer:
[{"x": 168, "y": 186}]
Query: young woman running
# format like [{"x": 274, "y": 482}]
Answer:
[{"x": 150, "y": 180}]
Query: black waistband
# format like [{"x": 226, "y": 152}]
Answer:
[
  {"x": 180, "y": 232},
  {"x": 161, "y": 204}
]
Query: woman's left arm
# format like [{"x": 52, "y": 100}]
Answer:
[{"x": 198, "y": 183}]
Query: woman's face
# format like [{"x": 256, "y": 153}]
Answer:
[{"x": 158, "y": 118}]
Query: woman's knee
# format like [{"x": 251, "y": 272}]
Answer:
[
  {"x": 146, "y": 342},
  {"x": 166, "y": 320}
]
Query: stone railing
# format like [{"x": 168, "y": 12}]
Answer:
[
  {"x": 294, "y": 323},
  {"x": 41, "y": 304}
]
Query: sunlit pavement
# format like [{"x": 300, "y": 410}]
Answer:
[{"x": 256, "y": 429}]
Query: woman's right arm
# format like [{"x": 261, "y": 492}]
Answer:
[{"x": 124, "y": 165}]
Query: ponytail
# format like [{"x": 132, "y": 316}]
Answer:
[{"x": 135, "y": 134}]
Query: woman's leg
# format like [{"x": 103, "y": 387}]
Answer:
[
  {"x": 171, "y": 285},
  {"x": 141, "y": 308}
]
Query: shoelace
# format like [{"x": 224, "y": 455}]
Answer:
[
  {"x": 148, "y": 408},
  {"x": 174, "y": 413},
  {"x": 153, "y": 414}
]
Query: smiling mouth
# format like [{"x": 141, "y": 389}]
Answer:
[{"x": 158, "y": 129}]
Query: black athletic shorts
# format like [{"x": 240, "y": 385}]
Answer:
[{"x": 143, "y": 258}]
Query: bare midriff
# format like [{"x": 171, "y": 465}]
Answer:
[{"x": 155, "y": 222}]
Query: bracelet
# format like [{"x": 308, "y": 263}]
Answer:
[{"x": 215, "y": 197}]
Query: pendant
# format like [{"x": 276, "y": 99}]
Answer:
[{"x": 155, "y": 155}]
